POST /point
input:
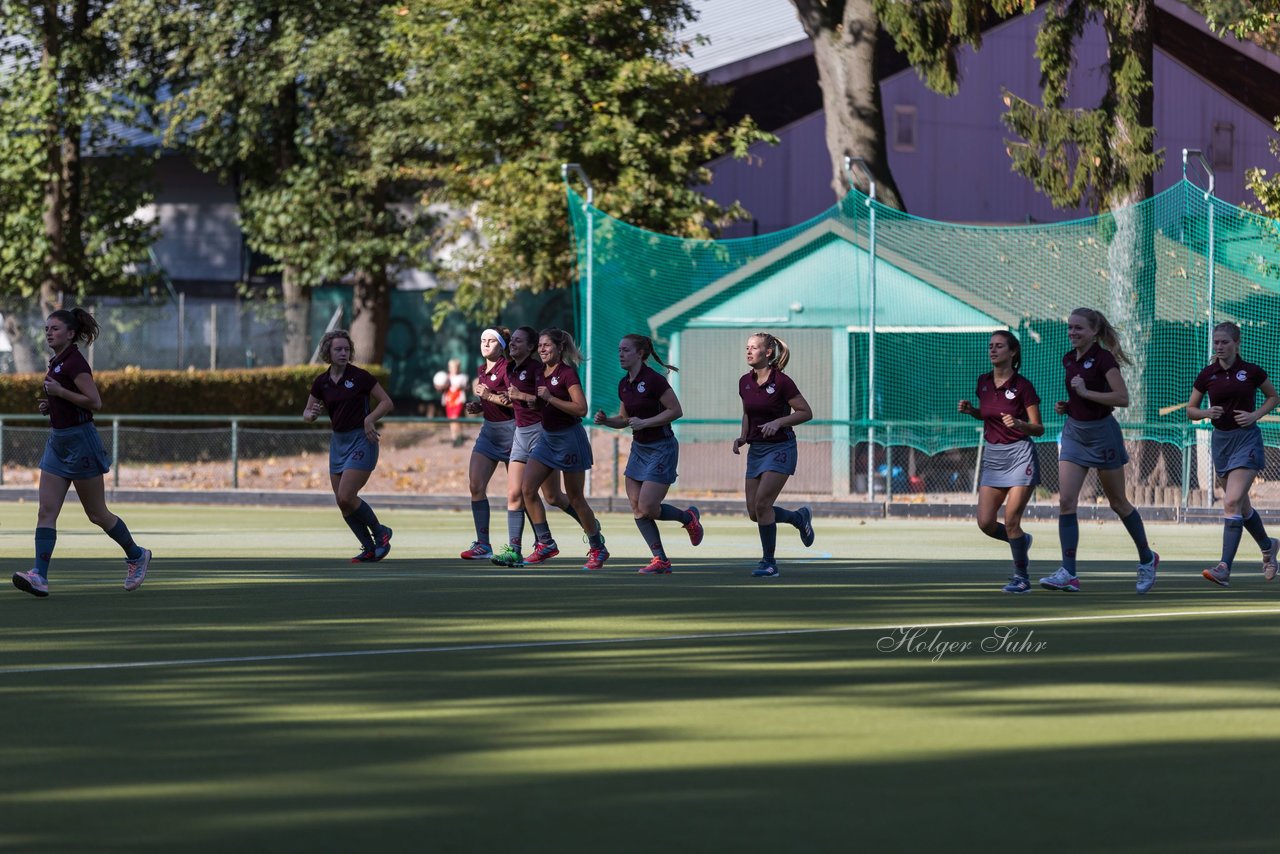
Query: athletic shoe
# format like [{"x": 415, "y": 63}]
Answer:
[
  {"x": 765, "y": 569},
  {"x": 657, "y": 566},
  {"x": 509, "y": 556},
  {"x": 1061, "y": 580},
  {"x": 136, "y": 570},
  {"x": 1017, "y": 584},
  {"x": 695, "y": 526},
  {"x": 805, "y": 526},
  {"x": 1219, "y": 575},
  {"x": 365, "y": 556},
  {"x": 31, "y": 582},
  {"x": 596, "y": 558},
  {"x": 542, "y": 552},
  {"x": 382, "y": 545},
  {"x": 1147, "y": 574},
  {"x": 478, "y": 551},
  {"x": 1269, "y": 560}
]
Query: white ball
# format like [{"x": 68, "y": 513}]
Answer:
[
  {"x": 441, "y": 381},
  {"x": 458, "y": 381}
]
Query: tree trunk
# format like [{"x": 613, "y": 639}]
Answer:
[
  {"x": 844, "y": 36},
  {"x": 297, "y": 311},
  {"x": 26, "y": 356},
  {"x": 54, "y": 214},
  {"x": 371, "y": 304}
]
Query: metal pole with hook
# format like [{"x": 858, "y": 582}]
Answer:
[
  {"x": 588, "y": 327},
  {"x": 849, "y": 163}
]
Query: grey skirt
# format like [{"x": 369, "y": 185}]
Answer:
[
  {"x": 772, "y": 456},
  {"x": 654, "y": 462},
  {"x": 495, "y": 440},
  {"x": 1011, "y": 464},
  {"x": 1093, "y": 444},
  {"x": 75, "y": 453},
  {"x": 564, "y": 450},
  {"x": 352, "y": 450},
  {"x": 523, "y": 441},
  {"x": 1238, "y": 449}
]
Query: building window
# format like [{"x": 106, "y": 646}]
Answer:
[
  {"x": 904, "y": 128},
  {"x": 1222, "y": 146}
]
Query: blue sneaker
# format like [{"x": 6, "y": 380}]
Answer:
[
  {"x": 1018, "y": 584},
  {"x": 806, "y": 526},
  {"x": 1061, "y": 580},
  {"x": 765, "y": 569},
  {"x": 1147, "y": 574},
  {"x": 382, "y": 546}
]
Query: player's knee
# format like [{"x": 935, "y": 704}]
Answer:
[
  {"x": 649, "y": 510},
  {"x": 102, "y": 518},
  {"x": 1121, "y": 507},
  {"x": 988, "y": 525},
  {"x": 1232, "y": 506}
]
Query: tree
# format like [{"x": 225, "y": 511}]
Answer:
[
  {"x": 69, "y": 188},
  {"x": 846, "y": 47},
  {"x": 287, "y": 99},
  {"x": 508, "y": 91}
]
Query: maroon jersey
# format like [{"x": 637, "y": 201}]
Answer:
[
  {"x": 524, "y": 378},
  {"x": 561, "y": 379},
  {"x": 495, "y": 381},
  {"x": 346, "y": 400},
  {"x": 1235, "y": 389},
  {"x": 763, "y": 402},
  {"x": 63, "y": 369},
  {"x": 643, "y": 399},
  {"x": 1093, "y": 367},
  {"x": 1013, "y": 397}
]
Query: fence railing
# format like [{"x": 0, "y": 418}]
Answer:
[{"x": 916, "y": 462}]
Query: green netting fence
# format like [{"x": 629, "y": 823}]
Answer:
[{"x": 1164, "y": 272}]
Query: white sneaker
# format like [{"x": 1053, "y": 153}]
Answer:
[
  {"x": 1147, "y": 574},
  {"x": 1061, "y": 580},
  {"x": 31, "y": 582},
  {"x": 136, "y": 570},
  {"x": 1269, "y": 560}
]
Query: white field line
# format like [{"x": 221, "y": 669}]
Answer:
[{"x": 428, "y": 650}]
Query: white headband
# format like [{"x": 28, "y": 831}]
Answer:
[{"x": 496, "y": 334}]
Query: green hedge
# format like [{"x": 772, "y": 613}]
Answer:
[{"x": 253, "y": 391}]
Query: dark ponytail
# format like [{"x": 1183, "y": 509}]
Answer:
[
  {"x": 644, "y": 346},
  {"x": 81, "y": 323}
]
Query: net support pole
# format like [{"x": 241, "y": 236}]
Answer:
[
  {"x": 849, "y": 163},
  {"x": 588, "y": 282},
  {"x": 1188, "y": 153}
]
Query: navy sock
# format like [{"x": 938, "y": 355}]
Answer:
[
  {"x": 45, "y": 540},
  {"x": 671, "y": 513},
  {"x": 1069, "y": 536},
  {"x": 573, "y": 514},
  {"x": 1001, "y": 533},
  {"x": 649, "y": 530},
  {"x": 1254, "y": 526},
  {"x": 1018, "y": 545},
  {"x": 515, "y": 527},
  {"x": 364, "y": 513},
  {"x": 361, "y": 530},
  {"x": 542, "y": 531},
  {"x": 480, "y": 513},
  {"x": 769, "y": 540},
  {"x": 1133, "y": 524},
  {"x": 596, "y": 540},
  {"x": 120, "y": 533},
  {"x": 1232, "y": 529},
  {"x": 786, "y": 517}
]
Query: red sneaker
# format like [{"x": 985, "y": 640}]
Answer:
[
  {"x": 657, "y": 566},
  {"x": 695, "y": 526},
  {"x": 478, "y": 551},
  {"x": 542, "y": 552},
  {"x": 596, "y": 558}
]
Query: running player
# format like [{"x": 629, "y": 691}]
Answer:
[
  {"x": 73, "y": 453},
  {"x": 344, "y": 390},
  {"x": 493, "y": 445},
  {"x": 563, "y": 445},
  {"x": 1232, "y": 385},
  {"x": 649, "y": 405},
  {"x": 1009, "y": 410},
  {"x": 523, "y": 370},
  {"x": 1091, "y": 438},
  {"x": 771, "y": 406}
]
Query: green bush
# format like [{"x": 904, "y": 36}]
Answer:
[{"x": 252, "y": 391}]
